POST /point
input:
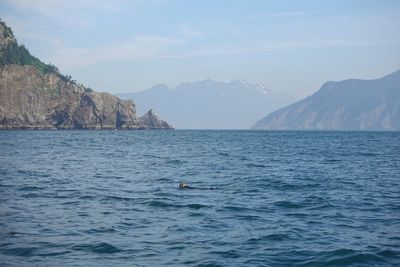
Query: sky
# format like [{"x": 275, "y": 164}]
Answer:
[{"x": 289, "y": 46}]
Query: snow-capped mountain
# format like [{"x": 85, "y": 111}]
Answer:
[{"x": 209, "y": 104}]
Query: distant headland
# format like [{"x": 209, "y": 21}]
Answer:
[{"x": 35, "y": 95}]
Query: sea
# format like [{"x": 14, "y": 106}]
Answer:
[{"x": 257, "y": 198}]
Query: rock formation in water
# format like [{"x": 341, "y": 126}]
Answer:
[
  {"x": 153, "y": 120},
  {"x": 345, "y": 105},
  {"x": 34, "y": 95}
]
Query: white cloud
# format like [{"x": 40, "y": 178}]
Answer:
[
  {"x": 140, "y": 47},
  {"x": 55, "y": 7},
  {"x": 274, "y": 14},
  {"x": 188, "y": 31},
  {"x": 158, "y": 47},
  {"x": 263, "y": 47},
  {"x": 72, "y": 13}
]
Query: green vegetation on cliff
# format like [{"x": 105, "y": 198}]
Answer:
[
  {"x": 13, "y": 53},
  {"x": 18, "y": 54},
  {"x": 7, "y": 32}
]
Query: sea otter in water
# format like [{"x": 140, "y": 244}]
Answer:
[
  {"x": 184, "y": 186},
  {"x": 188, "y": 186}
]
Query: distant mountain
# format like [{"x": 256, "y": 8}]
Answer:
[
  {"x": 209, "y": 104},
  {"x": 34, "y": 95},
  {"x": 345, "y": 105}
]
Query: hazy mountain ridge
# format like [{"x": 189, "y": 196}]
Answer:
[
  {"x": 34, "y": 95},
  {"x": 345, "y": 105},
  {"x": 209, "y": 104}
]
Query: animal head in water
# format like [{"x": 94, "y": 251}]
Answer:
[{"x": 183, "y": 185}]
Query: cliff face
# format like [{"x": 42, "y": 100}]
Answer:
[
  {"x": 34, "y": 95},
  {"x": 29, "y": 99},
  {"x": 345, "y": 105}
]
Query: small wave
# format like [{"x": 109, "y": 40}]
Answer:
[
  {"x": 367, "y": 154},
  {"x": 230, "y": 254},
  {"x": 317, "y": 203},
  {"x": 20, "y": 251},
  {"x": 270, "y": 237},
  {"x": 60, "y": 196},
  {"x": 195, "y": 214},
  {"x": 101, "y": 248},
  {"x": 87, "y": 197},
  {"x": 298, "y": 215},
  {"x": 162, "y": 204},
  {"x": 31, "y": 195},
  {"x": 175, "y": 161},
  {"x": 196, "y": 206},
  {"x": 29, "y": 188},
  {"x": 389, "y": 253},
  {"x": 83, "y": 214},
  {"x": 280, "y": 185},
  {"x": 247, "y": 217},
  {"x": 288, "y": 204},
  {"x": 106, "y": 212},
  {"x": 331, "y": 160},
  {"x": 4, "y": 185},
  {"x": 180, "y": 248},
  {"x": 36, "y": 174},
  {"x": 116, "y": 198},
  {"x": 152, "y": 156},
  {"x": 71, "y": 203},
  {"x": 54, "y": 253},
  {"x": 235, "y": 208},
  {"x": 100, "y": 230},
  {"x": 344, "y": 257},
  {"x": 254, "y": 165},
  {"x": 12, "y": 234},
  {"x": 243, "y": 158}
]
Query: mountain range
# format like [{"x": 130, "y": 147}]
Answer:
[
  {"x": 209, "y": 104},
  {"x": 345, "y": 105},
  {"x": 35, "y": 95}
]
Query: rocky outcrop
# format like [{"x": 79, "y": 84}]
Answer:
[
  {"x": 37, "y": 96},
  {"x": 153, "y": 120},
  {"x": 345, "y": 105}
]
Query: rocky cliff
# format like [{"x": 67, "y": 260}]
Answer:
[
  {"x": 34, "y": 95},
  {"x": 345, "y": 105}
]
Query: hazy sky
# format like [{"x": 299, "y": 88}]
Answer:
[{"x": 130, "y": 45}]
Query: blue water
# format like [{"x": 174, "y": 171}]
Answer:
[{"x": 111, "y": 198}]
